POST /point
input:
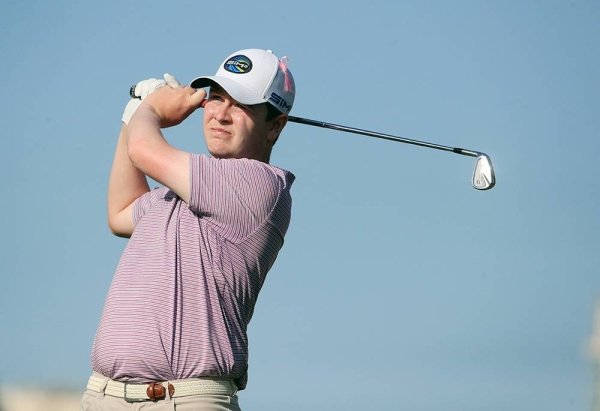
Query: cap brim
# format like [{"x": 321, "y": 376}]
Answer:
[{"x": 239, "y": 92}]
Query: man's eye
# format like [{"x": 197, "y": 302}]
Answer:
[
  {"x": 215, "y": 97},
  {"x": 241, "y": 106}
]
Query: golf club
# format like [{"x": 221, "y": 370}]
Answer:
[{"x": 483, "y": 174}]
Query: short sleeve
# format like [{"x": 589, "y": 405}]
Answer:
[
  {"x": 143, "y": 203},
  {"x": 235, "y": 195}
]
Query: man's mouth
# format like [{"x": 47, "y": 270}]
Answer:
[{"x": 220, "y": 132}]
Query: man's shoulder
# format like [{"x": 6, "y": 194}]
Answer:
[{"x": 247, "y": 167}]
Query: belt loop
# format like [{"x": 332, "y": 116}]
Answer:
[
  {"x": 167, "y": 393},
  {"x": 105, "y": 381},
  {"x": 234, "y": 386}
]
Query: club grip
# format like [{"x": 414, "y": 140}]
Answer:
[{"x": 132, "y": 92}]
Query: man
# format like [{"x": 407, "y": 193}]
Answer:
[{"x": 173, "y": 330}]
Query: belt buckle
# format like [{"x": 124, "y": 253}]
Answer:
[{"x": 132, "y": 400}]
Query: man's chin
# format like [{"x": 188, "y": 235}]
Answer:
[
  {"x": 218, "y": 154},
  {"x": 218, "y": 151}
]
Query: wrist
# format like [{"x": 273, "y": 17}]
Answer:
[
  {"x": 145, "y": 114},
  {"x": 130, "y": 108}
]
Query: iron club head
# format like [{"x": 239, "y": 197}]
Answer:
[{"x": 483, "y": 175}]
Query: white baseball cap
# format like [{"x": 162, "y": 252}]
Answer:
[{"x": 254, "y": 76}]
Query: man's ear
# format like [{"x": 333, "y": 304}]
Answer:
[{"x": 277, "y": 124}]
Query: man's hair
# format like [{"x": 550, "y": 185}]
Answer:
[{"x": 272, "y": 112}]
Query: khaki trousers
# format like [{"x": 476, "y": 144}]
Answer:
[{"x": 95, "y": 401}]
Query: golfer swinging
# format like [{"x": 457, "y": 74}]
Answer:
[{"x": 173, "y": 330}]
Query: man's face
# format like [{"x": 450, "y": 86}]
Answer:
[{"x": 233, "y": 130}]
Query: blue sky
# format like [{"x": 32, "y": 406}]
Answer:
[{"x": 399, "y": 286}]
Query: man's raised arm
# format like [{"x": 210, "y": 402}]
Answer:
[
  {"x": 125, "y": 185},
  {"x": 147, "y": 148},
  {"x": 126, "y": 182}
]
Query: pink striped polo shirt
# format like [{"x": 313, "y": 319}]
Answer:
[{"x": 187, "y": 282}]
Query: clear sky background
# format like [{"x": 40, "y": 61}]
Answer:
[{"x": 399, "y": 286}]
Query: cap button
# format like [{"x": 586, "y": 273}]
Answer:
[{"x": 270, "y": 51}]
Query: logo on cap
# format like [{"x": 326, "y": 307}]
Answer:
[
  {"x": 280, "y": 101},
  {"x": 238, "y": 64}
]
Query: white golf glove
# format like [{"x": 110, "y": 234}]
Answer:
[
  {"x": 142, "y": 90},
  {"x": 171, "y": 81}
]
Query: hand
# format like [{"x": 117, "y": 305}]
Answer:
[
  {"x": 142, "y": 90},
  {"x": 172, "y": 105}
]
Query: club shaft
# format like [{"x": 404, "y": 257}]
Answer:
[{"x": 322, "y": 124}]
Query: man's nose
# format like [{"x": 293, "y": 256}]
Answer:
[{"x": 222, "y": 112}]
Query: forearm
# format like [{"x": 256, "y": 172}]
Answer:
[
  {"x": 126, "y": 183},
  {"x": 144, "y": 139},
  {"x": 150, "y": 153}
]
